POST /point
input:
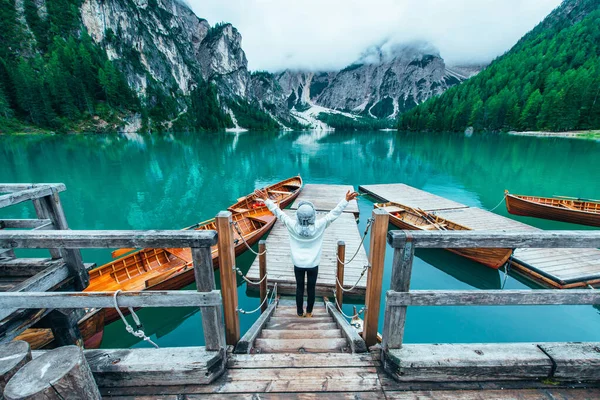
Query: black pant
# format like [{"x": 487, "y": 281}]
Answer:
[{"x": 311, "y": 273}]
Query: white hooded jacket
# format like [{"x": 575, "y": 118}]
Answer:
[{"x": 306, "y": 250}]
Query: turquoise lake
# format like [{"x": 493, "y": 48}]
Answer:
[{"x": 173, "y": 181}]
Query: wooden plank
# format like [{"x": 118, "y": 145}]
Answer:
[
  {"x": 409, "y": 196},
  {"x": 495, "y": 239},
  {"x": 296, "y": 360},
  {"x": 17, "y": 197},
  {"x": 107, "y": 239},
  {"x": 574, "y": 361},
  {"x": 299, "y": 323},
  {"x": 301, "y": 345},
  {"x": 357, "y": 344},
  {"x": 158, "y": 298},
  {"x": 17, "y": 187},
  {"x": 25, "y": 267},
  {"x": 492, "y": 297},
  {"x": 375, "y": 275},
  {"x": 326, "y": 197},
  {"x": 228, "y": 277},
  {"x": 246, "y": 343},
  {"x": 512, "y": 394},
  {"x": 300, "y": 334},
  {"x": 468, "y": 362},
  {"x": 212, "y": 317},
  {"x": 263, "y": 396},
  {"x": 339, "y": 272},
  {"x": 23, "y": 223},
  {"x": 154, "y": 367}
]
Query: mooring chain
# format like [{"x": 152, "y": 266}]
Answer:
[
  {"x": 240, "y": 273},
  {"x": 362, "y": 310},
  {"x": 272, "y": 292},
  {"x": 369, "y": 222},
  {"x": 137, "y": 333},
  {"x": 356, "y": 284},
  {"x": 237, "y": 228}
]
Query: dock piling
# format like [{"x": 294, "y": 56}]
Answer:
[
  {"x": 13, "y": 355},
  {"x": 262, "y": 265},
  {"x": 341, "y": 259},
  {"x": 228, "y": 276},
  {"x": 375, "y": 275}
]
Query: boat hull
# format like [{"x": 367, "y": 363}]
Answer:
[
  {"x": 492, "y": 258},
  {"x": 518, "y": 206}
]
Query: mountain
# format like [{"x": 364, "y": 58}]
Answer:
[
  {"x": 385, "y": 82},
  {"x": 73, "y": 65},
  {"x": 550, "y": 80}
]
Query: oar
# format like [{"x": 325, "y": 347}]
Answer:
[
  {"x": 430, "y": 219},
  {"x": 120, "y": 252},
  {"x": 576, "y": 198}
]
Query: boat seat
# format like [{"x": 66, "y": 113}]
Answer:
[
  {"x": 265, "y": 219},
  {"x": 240, "y": 210},
  {"x": 278, "y": 192},
  {"x": 393, "y": 209},
  {"x": 432, "y": 227}
]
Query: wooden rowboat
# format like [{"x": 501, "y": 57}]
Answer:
[
  {"x": 283, "y": 192},
  {"x": 575, "y": 211},
  {"x": 405, "y": 217}
]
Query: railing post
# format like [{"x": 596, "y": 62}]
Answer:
[
  {"x": 375, "y": 275},
  {"x": 212, "y": 317},
  {"x": 341, "y": 258},
  {"x": 395, "y": 317},
  {"x": 50, "y": 207},
  {"x": 228, "y": 277},
  {"x": 262, "y": 266},
  {"x": 64, "y": 325}
]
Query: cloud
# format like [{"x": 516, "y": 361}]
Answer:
[{"x": 330, "y": 34}]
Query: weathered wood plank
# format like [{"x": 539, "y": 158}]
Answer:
[
  {"x": 13, "y": 356},
  {"x": 574, "y": 361},
  {"x": 357, "y": 344},
  {"x": 228, "y": 277},
  {"x": 23, "y": 223},
  {"x": 301, "y": 324},
  {"x": 17, "y": 187},
  {"x": 326, "y": 197},
  {"x": 468, "y": 362},
  {"x": 106, "y": 239},
  {"x": 159, "y": 298},
  {"x": 492, "y": 297},
  {"x": 410, "y": 196},
  {"x": 301, "y": 345},
  {"x": 512, "y": 394},
  {"x": 17, "y": 197},
  {"x": 296, "y": 360},
  {"x": 246, "y": 343},
  {"x": 300, "y": 334},
  {"x": 495, "y": 239}
]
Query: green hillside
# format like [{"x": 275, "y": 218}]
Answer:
[{"x": 550, "y": 80}]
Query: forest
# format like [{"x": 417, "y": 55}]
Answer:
[{"x": 549, "y": 81}]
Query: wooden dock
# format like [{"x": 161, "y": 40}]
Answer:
[
  {"x": 279, "y": 262},
  {"x": 560, "y": 268}
]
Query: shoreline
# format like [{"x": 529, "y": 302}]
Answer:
[{"x": 589, "y": 135}]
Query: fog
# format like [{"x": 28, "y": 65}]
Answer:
[{"x": 331, "y": 34}]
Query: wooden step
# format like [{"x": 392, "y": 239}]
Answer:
[
  {"x": 291, "y": 312},
  {"x": 312, "y": 320},
  {"x": 336, "y": 345},
  {"x": 299, "y": 334},
  {"x": 301, "y": 324}
]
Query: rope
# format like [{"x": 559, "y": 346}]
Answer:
[
  {"x": 506, "y": 269},
  {"x": 356, "y": 284},
  {"x": 362, "y": 310},
  {"x": 273, "y": 292},
  {"x": 237, "y": 228},
  {"x": 498, "y": 205},
  {"x": 240, "y": 273},
  {"x": 137, "y": 333},
  {"x": 369, "y": 222}
]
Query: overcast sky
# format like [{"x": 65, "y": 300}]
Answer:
[{"x": 330, "y": 34}]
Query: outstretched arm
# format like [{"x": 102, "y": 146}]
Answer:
[
  {"x": 339, "y": 209},
  {"x": 274, "y": 208}
]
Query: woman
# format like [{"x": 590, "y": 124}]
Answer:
[{"x": 306, "y": 242}]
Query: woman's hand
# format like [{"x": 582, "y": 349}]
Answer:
[
  {"x": 261, "y": 194},
  {"x": 351, "y": 195}
]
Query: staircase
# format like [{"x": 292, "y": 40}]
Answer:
[{"x": 280, "y": 330}]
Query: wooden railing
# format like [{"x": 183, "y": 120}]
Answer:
[
  {"x": 206, "y": 298},
  {"x": 404, "y": 243}
]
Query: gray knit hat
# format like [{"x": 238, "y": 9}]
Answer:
[{"x": 306, "y": 216}]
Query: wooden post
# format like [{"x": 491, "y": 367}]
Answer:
[
  {"x": 395, "y": 317},
  {"x": 262, "y": 266},
  {"x": 64, "y": 325},
  {"x": 13, "y": 355},
  {"x": 228, "y": 277},
  {"x": 341, "y": 255},
  {"x": 50, "y": 207},
  {"x": 375, "y": 275},
  {"x": 62, "y": 373},
  {"x": 212, "y": 317}
]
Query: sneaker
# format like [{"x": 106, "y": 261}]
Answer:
[
  {"x": 308, "y": 315},
  {"x": 303, "y": 315}
]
